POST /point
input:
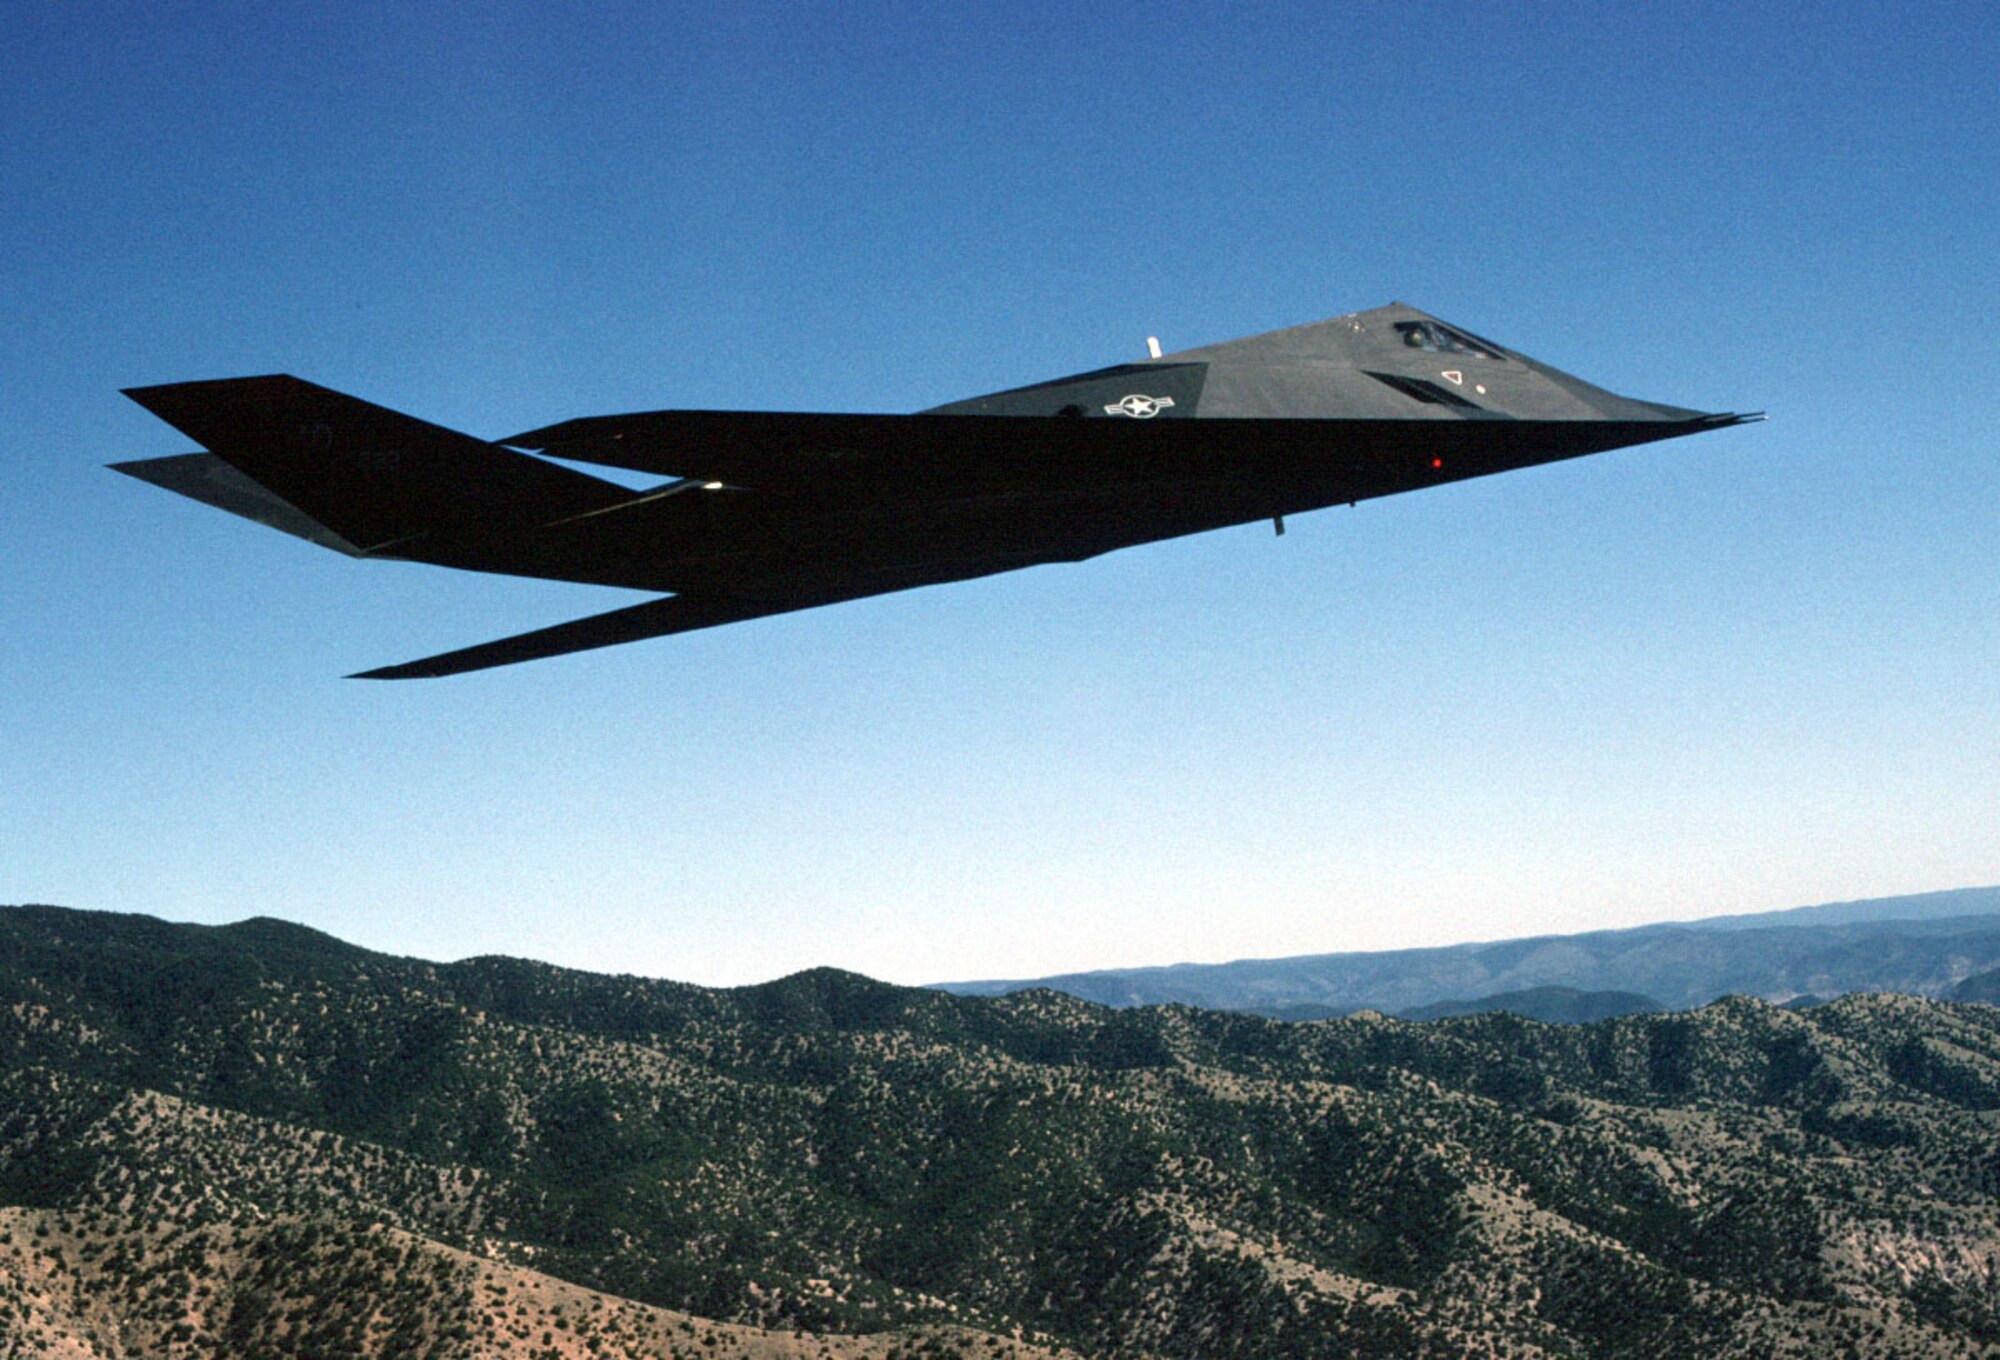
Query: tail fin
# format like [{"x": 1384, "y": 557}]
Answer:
[
  {"x": 204, "y": 477},
  {"x": 370, "y": 477}
]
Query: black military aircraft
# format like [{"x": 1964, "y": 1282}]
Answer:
[{"x": 771, "y": 511}]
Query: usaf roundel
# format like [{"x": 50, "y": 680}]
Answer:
[{"x": 1139, "y": 407}]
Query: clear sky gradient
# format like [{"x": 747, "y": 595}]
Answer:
[{"x": 1750, "y": 670}]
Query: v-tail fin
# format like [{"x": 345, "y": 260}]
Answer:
[{"x": 348, "y": 473}]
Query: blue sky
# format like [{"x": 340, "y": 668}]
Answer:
[{"x": 1746, "y": 671}]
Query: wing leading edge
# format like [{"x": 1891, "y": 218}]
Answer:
[{"x": 648, "y": 619}]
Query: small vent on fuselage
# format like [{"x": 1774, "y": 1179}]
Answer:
[{"x": 1424, "y": 390}]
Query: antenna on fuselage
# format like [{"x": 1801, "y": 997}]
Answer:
[{"x": 1152, "y": 346}]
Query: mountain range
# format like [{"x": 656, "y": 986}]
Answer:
[
  {"x": 1921, "y": 945},
  {"x": 258, "y": 1141}
]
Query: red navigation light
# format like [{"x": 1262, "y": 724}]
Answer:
[{"x": 1436, "y": 463}]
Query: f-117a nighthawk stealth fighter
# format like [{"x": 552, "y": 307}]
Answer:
[{"x": 771, "y": 511}]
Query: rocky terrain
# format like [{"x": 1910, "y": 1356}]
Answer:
[{"x": 255, "y": 1140}]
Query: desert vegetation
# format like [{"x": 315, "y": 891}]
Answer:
[{"x": 256, "y": 1140}]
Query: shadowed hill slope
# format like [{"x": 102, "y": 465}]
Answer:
[{"x": 1981, "y": 987}]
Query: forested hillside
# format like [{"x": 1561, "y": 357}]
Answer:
[{"x": 256, "y": 1140}]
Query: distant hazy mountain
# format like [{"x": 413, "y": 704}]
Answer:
[
  {"x": 1921, "y": 945},
  {"x": 1551, "y": 1005},
  {"x": 1930, "y": 906},
  {"x": 257, "y": 1142}
]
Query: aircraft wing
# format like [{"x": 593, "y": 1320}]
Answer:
[
  {"x": 797, "y": 451},
  {"x": 647, "y": 619},
  {"x": 1005, "y": 440},
  {"x": 790, "y": 452},
  {"x": 900, "y": 457}
]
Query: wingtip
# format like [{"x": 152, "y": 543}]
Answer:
[{"x": 410, "y": 671}]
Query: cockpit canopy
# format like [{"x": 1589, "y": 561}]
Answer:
[{"x": 1438, "y": 338}]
